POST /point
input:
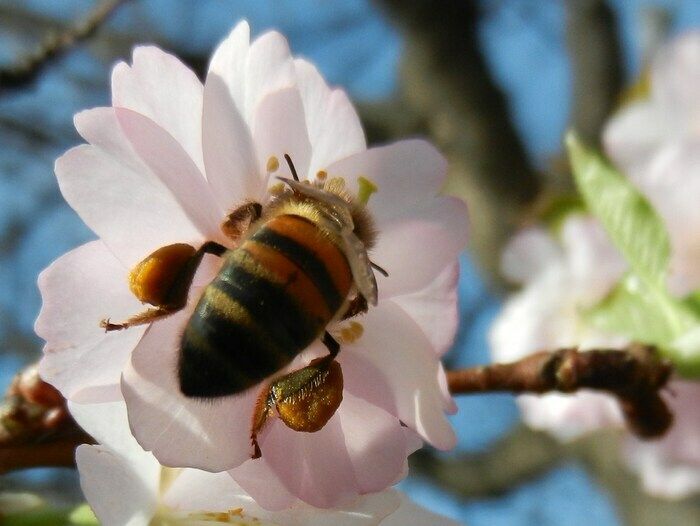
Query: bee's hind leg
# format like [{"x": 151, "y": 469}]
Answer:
[{"x": 163, "y": 279}]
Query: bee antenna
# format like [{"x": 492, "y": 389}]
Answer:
[
  {"x": 291, "y": 166},
  {"x": 379, "y": 269}
]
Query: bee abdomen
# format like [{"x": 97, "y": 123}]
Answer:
[{"x": 272, "y": 298}]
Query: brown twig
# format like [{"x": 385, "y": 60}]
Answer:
[
  {"x": 448, "y": 83},
  {"x": 35, "y": 426},
  {"x": 55, "y": 44},
  {"x": 635, "y": 376}
]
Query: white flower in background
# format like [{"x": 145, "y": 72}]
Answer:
[
  {"x": 656, "y": 143},
  {"x": 126, "y": 486},
  {"x": 165, "y": 164},
  {"x": 561, "y": 278}
]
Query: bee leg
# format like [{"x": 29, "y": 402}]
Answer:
[
  {"x": 163, "y": 279},
  {"x": 331, "y": 344},
  {"x": 240, "y": 219},
  {"x": 358, "y": 305}
]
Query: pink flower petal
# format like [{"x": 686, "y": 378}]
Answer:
[
  {"x": 312, "y": 466},
  {"x": 410, "y": 514},
  {"x": 334, "y": 127},
  {"x": 196, "y": 490},
  {"x": 117, "y": 196},
  {"x": 229, "y": 64},
  {"x": 437, "y": 230},
  {"x": 408, "y": 174},
  {"x": 529, "y": 253},
  {"x": 269, "y": 67},
  {"x": 166, "y": 158},
  {"x": 434, "y": 309},
  {"x": 121, "y": 493},
  {"x": 278, "y": 128},
  {"x": 79, "y": 355},
  {"x": 229, "y": 154},
  {"x": 213, "y": 435},
  {"x": 394, "y": 367},
  {"x": 162, "y": 88}
]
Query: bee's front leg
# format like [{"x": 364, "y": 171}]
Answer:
[
  {"x": 163, "y": 279},
  {"x": 240, "y": 219}
]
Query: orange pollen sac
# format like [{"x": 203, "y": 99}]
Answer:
[
  {"x": 313, "y": 406},
  {"x": 153, "y": 278}
]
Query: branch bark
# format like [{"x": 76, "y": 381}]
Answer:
[
  {"x": 447, "y": 81},
  {"x": 56, "y": 44},
  {"x": 634, "y": 376}
]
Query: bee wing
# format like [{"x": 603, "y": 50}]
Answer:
[{"x": 360, "y": 266}]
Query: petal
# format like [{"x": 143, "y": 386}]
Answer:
[
  {"x": 117, "y": 196},
  {"x": 394, "y": 367},
  {"x": 675, "y": 73},
  {"x": 335, "y": 131},
  {"x": 119, "y": 492},
  {"x": 196, "y": 490},
  {"x": 213, "y": 435},
  {"x": 269, "y": 67},
  {"x": 375, "y": 441},
  {"x": 108, "y": 424},
  {"x": 417, "y": 247},
  {"x": 162, "y": 88},
  {"x": 229, "y": 62},
  {"x": 406, "y": 173},
  {"x": 528, "y": 253},
  {"x": 169, "y": 162},
  {"x": 279, "y": 128},
  {"x": 229, "y": 155},
  {"x": 362, "y": 449},
  {"x": 79, "y": 357},
  {"x": 313, "y": 467},
  {"x": 570, "y": 416},
  {"x": 434, "y": 308}
]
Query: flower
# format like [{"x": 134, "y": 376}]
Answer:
[
  {"x": 165, "y": 164},
  {"x": 656, "y": 143},
  {"x": 560, "y": 280},
  {"x": 125, "y": 485}
]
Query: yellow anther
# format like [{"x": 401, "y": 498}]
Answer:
[
  {"x": 276, "y": 189},
  {"x": 321, "y": 175},
  {"x": 366, "y": 189},
  {"x": 273, "y": 164}
]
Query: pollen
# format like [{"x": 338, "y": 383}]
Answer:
[
  {"x": 312, "y": 407},
  {"x": 152, "y": 278},
  {"x": 321, "y": 175},
  {"x": 350, "y": 333},
  {"x": 273, "y": 164}
]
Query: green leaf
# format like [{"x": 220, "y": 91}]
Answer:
[
  {"x": 83, "y": 516},
  {"x": 630, "y": 221},
  {"x": 641, "y": 313}
]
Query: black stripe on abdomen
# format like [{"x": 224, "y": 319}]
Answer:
[{"x": 305, "y": 259}]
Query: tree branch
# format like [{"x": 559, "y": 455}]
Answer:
[
  {"x": 596, "y": 63},
  {"x": 447, "y": 81},
  {"x": 55, "y": 44},
  {"x": 635, "y": 376},
  {"x": 35, "y": 426}
]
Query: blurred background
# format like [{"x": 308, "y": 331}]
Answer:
[{"x": 494, "y": 83}]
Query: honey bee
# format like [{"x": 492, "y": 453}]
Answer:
[{"x": 300, "y": 263}]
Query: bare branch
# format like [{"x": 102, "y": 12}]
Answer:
[
  {"x": 635, "y": 376},
  {"x": 447, "y": 81},
  {"x": 596, "y": 63},
  {"x": 35, "y": 426},
  {"x": 55, "y": 44}
]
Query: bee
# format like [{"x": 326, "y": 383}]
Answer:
[{"x": 300, "y": 263}]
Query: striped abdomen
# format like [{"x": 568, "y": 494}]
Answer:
[{"x": 274, "y": 295}]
